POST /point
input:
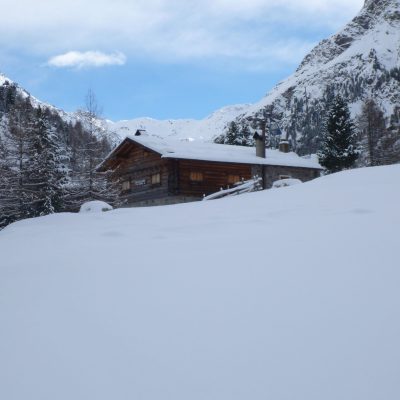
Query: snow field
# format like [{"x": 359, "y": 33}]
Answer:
[{"x": 281, "y": 294}]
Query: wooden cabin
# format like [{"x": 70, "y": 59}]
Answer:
[{"x": 154, "y": 171}]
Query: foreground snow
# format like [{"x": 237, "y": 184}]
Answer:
[{"x": 283, "y": 294}]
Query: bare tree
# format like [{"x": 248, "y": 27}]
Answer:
[{"x": 90, "y": 184}]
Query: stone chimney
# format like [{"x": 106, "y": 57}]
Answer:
[
  {"x": 260, "y": 143},
  {"x": 284, "y": 146},
  {"x": 284, "y": 143}
]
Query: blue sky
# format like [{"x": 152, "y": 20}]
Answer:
[{"x": 161, "y": 58}]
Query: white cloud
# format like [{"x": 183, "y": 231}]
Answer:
[
  {"x": 172, "y": 30},
  {"x": 88, "y": 59}
]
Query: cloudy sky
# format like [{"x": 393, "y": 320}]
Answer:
[{"x": 160, "y": 58}]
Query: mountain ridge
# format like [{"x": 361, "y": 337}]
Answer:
[{"x": 360, "y": 61}]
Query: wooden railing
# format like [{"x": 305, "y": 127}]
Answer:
[{"x": 252, "y": 185}]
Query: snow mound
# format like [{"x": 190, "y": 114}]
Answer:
[
  {"x": 279, "y": 294},
  {"x": 286, "y": 182},
  {"x": 95, "y": 206}
]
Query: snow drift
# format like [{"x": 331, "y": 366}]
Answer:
[
  {"x": 281, "y": 294},
  {"x": 95, "y": 207}
]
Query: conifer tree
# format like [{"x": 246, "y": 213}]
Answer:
[
  {"x": 339, "y": 149},
  {"x": 233, "y": 134},
  {"x": 37, "y": 149},
  {"x": 246, "y": 136},
  {"x": 372, "y": 129},
  {"x": 6, "y": 181},
  {"x": 17, "y": 193},
  {"x": 47, "y": 166},
  {"x": 220, "y": 139},
  {"x": 236, "y": 135}
]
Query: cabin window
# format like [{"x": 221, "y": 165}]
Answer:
[
  {"x": 126, "y": 185},
  {"x": 139, "y": 182},
  {"x": 196, "y": 176},
  {"x": 156, "y": 179},
  {"x": 232, "y": 179},
  {"x": 145, "y": 153},
  {"x": 284, "y": 176}
]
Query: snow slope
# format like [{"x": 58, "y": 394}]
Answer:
[
  {"x": 182, "y": 129},
  {"x": 291, "y": 293},
  {"x": 67, "y": 117},
  {"x": 359, "y": 54}
]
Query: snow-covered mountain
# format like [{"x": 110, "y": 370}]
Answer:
[
  {"x": 182, "y": 129},
  {"x": 9, "y": 88},
  {"x": 66, "y": 116},
  {"x": 354, "y": 61},
  {"x": 360, "y": 61}
]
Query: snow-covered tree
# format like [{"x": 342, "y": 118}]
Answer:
[
  {"x": 233, "y": 134},
  {"x": 16, "y": 147},
  {"x": 47, "y": 164},
  {"x": 339, "y": 150},
  {"x": 246, "y": 136},
  {"x": 87, "y": 184},
  {"x": 236, "y": 135},
  {"x": 7, "y": 177},
  {"x": 37, "y": 147}
]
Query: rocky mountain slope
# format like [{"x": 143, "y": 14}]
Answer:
[{"x": 360, "y": 61}]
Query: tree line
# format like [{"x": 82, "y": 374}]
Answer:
[
  {"x": 369, "y": 140},
  {"x": 48, "y": 165}
]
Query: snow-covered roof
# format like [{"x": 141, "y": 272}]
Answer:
[{"x": 206, "y": 151}]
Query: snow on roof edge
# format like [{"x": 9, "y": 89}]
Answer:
[{"x": 213, "y": 152}]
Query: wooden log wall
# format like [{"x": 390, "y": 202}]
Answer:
[
  {"x": 215, "y": 176},
  {"x": 136, "y": 164},
  {"x": 137, "y": 167}
]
